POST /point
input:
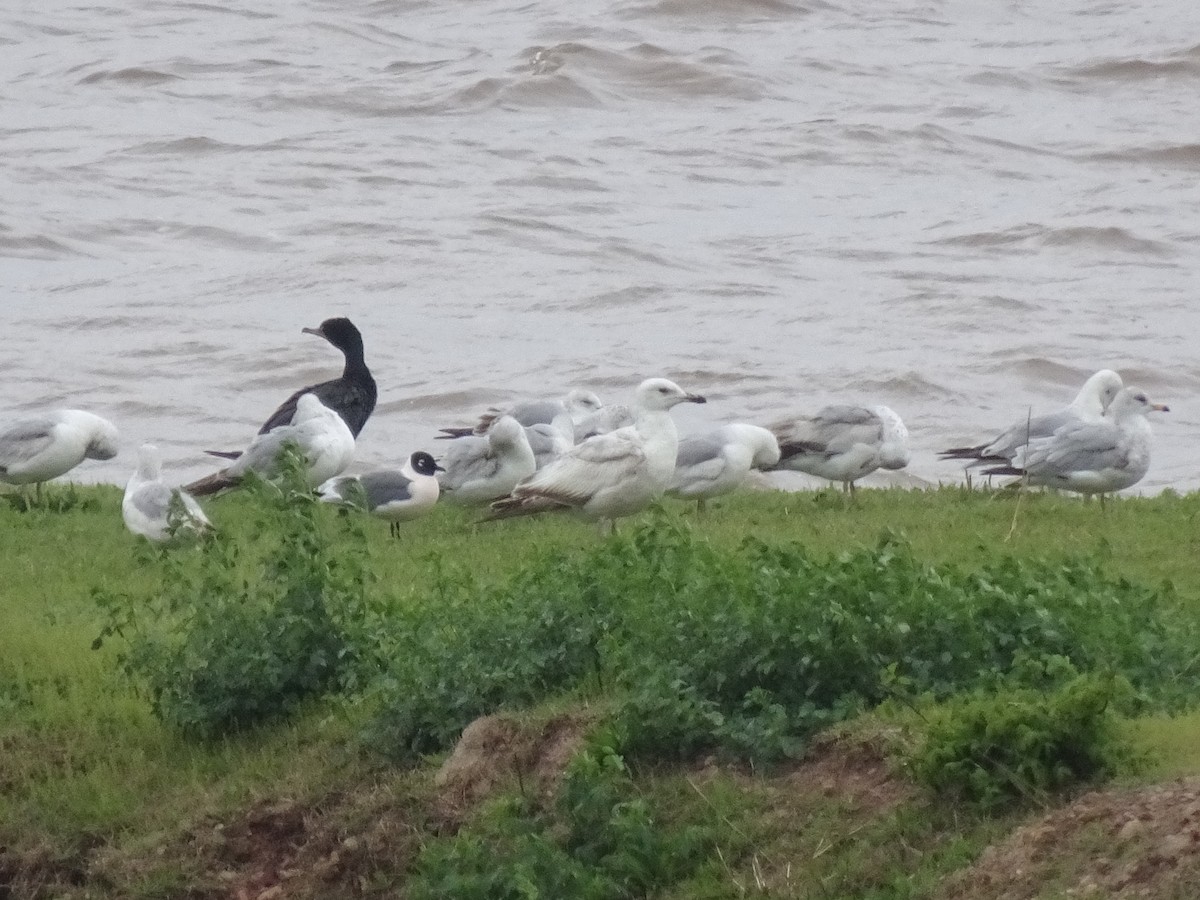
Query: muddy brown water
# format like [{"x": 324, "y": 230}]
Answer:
[{"x": 957, "y": 209}]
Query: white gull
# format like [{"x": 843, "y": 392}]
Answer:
[
  {"x": 37, "y": 448},
  {"x": 718, "y": 461},
  {"x": 482, "y": 469},
  {"x": 154, "y": 510},
  {"x": 843, "y": 443},
  {"x": 319, "y": 433},
  {"x": 563, "y": 414},
  {"x": 614, "y": 474},
  {"x": 1089, "y": 405},
  {"x": 1092, "y": 457}
]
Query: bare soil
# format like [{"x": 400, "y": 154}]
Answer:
[{"x": 1140, "y": 842}]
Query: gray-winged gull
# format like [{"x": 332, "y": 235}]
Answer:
[
  {"x": 843, "y": 443},
  {"x": 481, "y": 469},
  {"x": 1089, "y": 405},
  {"x": 1092, "y": 457},
  {"x": 718, "y": 461},
  {"x": 153, "y": 509},
  {"x": 39, "y": 447},
  {"x": 614, "y": 474},
  {"x": 319, "y": 433},
  {"x": 390, "y": 494}
]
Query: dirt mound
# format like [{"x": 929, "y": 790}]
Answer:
[
  {"x": 285, "y": 849},
  {"x": 499, "y": 751},
  {"x": 1124, "y": 843},
  {"x": 855, "y": 769},
  {"x": 38, "y": 872}
]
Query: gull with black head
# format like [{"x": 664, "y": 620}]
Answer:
[{"x": 390, "y": 494}]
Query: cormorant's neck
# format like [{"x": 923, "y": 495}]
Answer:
[{"x": 356, "y": 365}]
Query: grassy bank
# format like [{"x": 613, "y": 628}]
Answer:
[{"x": 100, "y": 798}]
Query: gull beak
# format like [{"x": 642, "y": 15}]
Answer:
[
  {"x": 694, "y": 398},
  {"x": 439, "y": 468},
  {"x": 1160, "y": 407}
]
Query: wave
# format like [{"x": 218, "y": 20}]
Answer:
[
  {"x": 133, "y": 75},
  {"x": 1088, "y": 236},
  {"x": 1180, "y": 156}
]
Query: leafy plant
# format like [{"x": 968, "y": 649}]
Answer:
[
  {"x": 599, "y": 841},
  {"x": 236, "y": 636},
  {"x": 750, "y": 652},
  {"x": 993, "y": 748}
]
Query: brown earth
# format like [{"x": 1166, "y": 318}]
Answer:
[
  {"x": 1139, "y": 842},
  {"x": 499, "y": 751},
  {"x": 1119, "y": 843}
]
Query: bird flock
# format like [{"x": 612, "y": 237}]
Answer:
[{"x": 602, "y": 461}]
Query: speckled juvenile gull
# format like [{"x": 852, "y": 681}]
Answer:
[
  {"x": 481, "y": 469},
  {"x": 153, "y": 509},
  {"x": 614, "y": 474},
  {"x": 843, "y": 443},
  {"x": 394, "y": 495},
  {"x": 718, "y": 461},
  {"x": 320, "y": 434},
  {"x": 1092, "y": 457},
  {"x": 39, "y": 447},
  {"x": 1089, "y": 405}
]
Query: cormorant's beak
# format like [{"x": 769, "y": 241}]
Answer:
[
  {"x": 317, "y": 331},
  {"x": 694, "y": 398}
]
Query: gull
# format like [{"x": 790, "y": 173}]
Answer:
[
  {"x": 607, "y": 418},
  {"x": 154, "y": 510},
  {"x": 481, "y": 469},
  {"x": 40, "y": 447},
  {"x": 1091, "y": 457},
  {"x": 843, "y": 443},
  {"x": 1089, "y": 405},
  {"x": 718, "y": 461},
  {"x": 563, "y": 414},
  {"x": 352, "y": 395},
  {"x": 319, "y": 433},
  {"x": 614, "y": 474},
  {"x": 394, "y": 495},
  {"x": 547, "y": 442}
]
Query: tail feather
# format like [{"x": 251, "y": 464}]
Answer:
[
  {"x": 451, "y": 433},
  {"x": 963, "y": 452},
  {"x": 1004, "y": 470},
  {"x": 511, "y": 507},
  {"x": 224, "y": 454},
  {"x": 211, "y": 484}
]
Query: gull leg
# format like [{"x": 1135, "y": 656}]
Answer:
[{"x": 700, "y": 506}]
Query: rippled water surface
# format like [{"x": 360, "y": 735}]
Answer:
[{"x": 958, "y": 209}]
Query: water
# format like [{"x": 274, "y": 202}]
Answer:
[{"x": 957, "y": 209}]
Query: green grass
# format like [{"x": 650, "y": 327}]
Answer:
[{"x": 85, "y": 763}]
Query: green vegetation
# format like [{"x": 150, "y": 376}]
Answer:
[{"x": 978, "y": 658}]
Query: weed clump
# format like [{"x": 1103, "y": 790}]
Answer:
[
  {"x": 995, "y": 748},
  {"x": 233, "y": 638},
  {"x": 598, "y": 840},
  {"x": 749, "y": 653}
]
